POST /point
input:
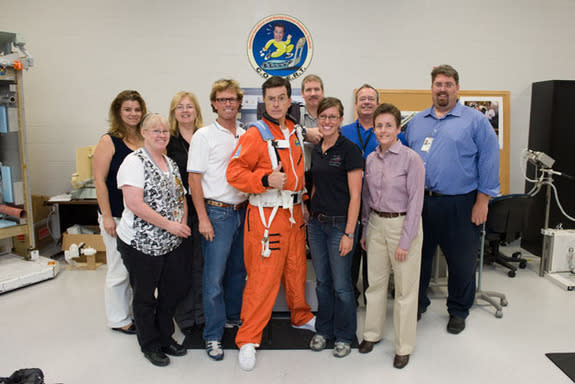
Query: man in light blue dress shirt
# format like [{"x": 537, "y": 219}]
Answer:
[{"x": 461, "y": 155}]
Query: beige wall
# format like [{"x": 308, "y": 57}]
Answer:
[{"x": 86, "y": 52}]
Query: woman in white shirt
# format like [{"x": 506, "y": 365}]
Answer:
[{"x": 150, "y": 233}]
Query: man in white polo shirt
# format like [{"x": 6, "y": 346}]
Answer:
[{"x": 221, "y": 211}]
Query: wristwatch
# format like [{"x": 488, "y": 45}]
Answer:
[{"x": 349, "y": 235}]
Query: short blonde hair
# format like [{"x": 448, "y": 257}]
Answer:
[{"x": 153, "y": 119}]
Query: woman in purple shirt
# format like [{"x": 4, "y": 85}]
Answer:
[{"x": 391, "y": 215}]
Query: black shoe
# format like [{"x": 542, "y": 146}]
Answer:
[
  {"x": 188, "y": 330},
  {"x": 174, "y": 349},
  {"x": 400, "y": 361},
  {"x": 455, "y": 325},
  {"x": 159, "y": 359},
  {"x": 420, "y": 311},
  {"x": 196, "y": 328},
  {"x": 131, "y": 330},
  {"x": 366, "y": 346}
]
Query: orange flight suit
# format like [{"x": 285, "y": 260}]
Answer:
[{"x": 287, "y": 262}]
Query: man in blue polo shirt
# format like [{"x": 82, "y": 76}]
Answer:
[
  {"x": 361, "y": 130},
  {"x": 361, "y": 133},
  {"x": 461, "y": 155}
]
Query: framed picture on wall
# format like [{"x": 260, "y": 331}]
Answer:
[{"x": 492, "y": 108}]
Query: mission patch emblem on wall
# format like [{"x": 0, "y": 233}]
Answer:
[{"x": 280, "y": 45}]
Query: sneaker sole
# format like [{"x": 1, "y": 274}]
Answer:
[
  {"x": 216, "y": 358},
  {"x": 341, "y": 356}
]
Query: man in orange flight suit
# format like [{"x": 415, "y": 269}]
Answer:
[{"x": 272, "y": 172}]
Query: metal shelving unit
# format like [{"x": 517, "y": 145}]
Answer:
[
  {"x": 15, "y": 271},
  {"x": 13, "y": 141}
]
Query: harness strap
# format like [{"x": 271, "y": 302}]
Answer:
[
  {"x": 268, "y": 137},
  {"x": 266, "y": 252},
  {"x": 273, "y": 198}
]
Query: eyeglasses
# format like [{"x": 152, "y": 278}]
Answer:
[
  {"x": 366, "y": 98},
  {"x": 330, "y": 117},
  {"x": 224, "y": 100},
  {"x": 447, "y": 85},
  {"x": 181, "y": 107},
  {"x": 158, "y": 132}
]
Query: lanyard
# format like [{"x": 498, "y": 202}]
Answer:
[{"x": 361, "y": 144}]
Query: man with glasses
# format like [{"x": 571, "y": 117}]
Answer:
[
  {"x": 461, "y": 155},
  {"x": 221, "y": 212},
  {"x": 361, "y": 133},
  {"x": 268, "y": 165},
  {"x": 361, "y": 130}
]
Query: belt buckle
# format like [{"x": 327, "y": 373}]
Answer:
[{"x": 215, "y": 203}]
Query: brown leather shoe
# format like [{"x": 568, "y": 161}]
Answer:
[
  {"x": 400, "y": 361},
  {"x": 367, "y": 346}
]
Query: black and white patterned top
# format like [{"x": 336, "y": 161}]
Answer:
[{"x": 163, "y": 192}]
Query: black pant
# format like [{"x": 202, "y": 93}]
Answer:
[
  {"x": 359, "y": 259},
  {"x": 447, "y": 223},
  {"x": 153, "y": 315},
  {"x": 190, "y": 310}
]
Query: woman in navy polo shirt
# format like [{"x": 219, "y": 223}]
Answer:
[{"x": 337, "y": 170}]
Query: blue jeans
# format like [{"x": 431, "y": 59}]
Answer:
[
  {"x": 336, "y": 315},
  {"x": 224, "y": 274}
]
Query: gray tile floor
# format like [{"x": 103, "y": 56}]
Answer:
[{"x": 58, "y": 325}]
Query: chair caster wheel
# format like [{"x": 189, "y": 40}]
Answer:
[
  {"x": 504, "y": 302},
  {"x": 499, "y": 314},
  {"x": 511, "y": 273},
  {"x": 522, "y": 264}
]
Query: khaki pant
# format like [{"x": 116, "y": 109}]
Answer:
[{"x": 382, "y": 238}]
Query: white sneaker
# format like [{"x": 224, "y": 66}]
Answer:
[
  {"x": 310, "y": 325},
  {"x": 341, "y": 349},
  {"x": 214, "y": 350},
  {"x": 317, "y": 343},
  {"x": 247, "y": 356}
]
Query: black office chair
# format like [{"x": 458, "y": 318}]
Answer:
[{"x": 506, "y": 220}]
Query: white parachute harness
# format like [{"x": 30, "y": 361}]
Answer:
[{"x": 273, "y": 197}]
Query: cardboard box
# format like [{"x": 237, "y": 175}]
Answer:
[
  {"x": 95, "y": 241},
  {"x": 40, "y": 216},
  {"x": 41, "y": 235}
]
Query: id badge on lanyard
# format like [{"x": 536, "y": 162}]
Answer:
[{"x": 426, "y": 144}]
